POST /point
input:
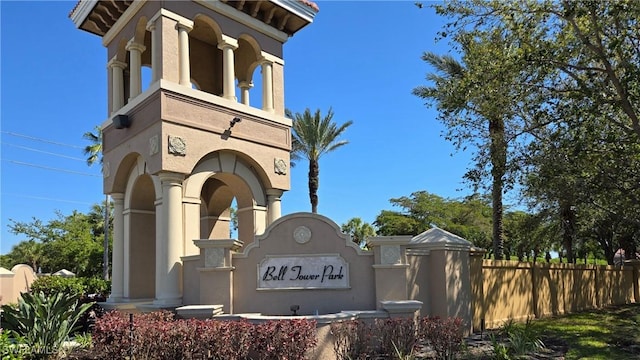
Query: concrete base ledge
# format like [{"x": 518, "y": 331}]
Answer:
[
  {"x": 401, "y": 306},
  {"x": 199, "y": 311}
]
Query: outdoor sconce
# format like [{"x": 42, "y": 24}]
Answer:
[
  {"x": 121, "y": 121},
  {"x": 233, "y": 122}
]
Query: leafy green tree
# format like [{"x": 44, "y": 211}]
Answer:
[
  {"x": 73, "y": 242},
  {"x": 582, "y": 52},
  {"x": 469, "y": 218},
  {"x": 313, "y": 136},
  {"x": 359, "y": 231}
]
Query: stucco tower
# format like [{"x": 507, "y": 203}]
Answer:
[{"x": 187, "y": 132}]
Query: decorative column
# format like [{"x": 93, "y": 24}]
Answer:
[
  {"x": 228, "y": 45},
  {"x": 267, "y": 85},
  {"x": 273, "y": 205},
  {"x": 216, "y": 277},
  {"x": 169, "y": 241},
  {"x": 117, "y": 84},
  {"x": 155, "y": 51},
  {"x": 135, "y": 71},
  {"x": 117, "y": 255},
  {"x": 244, "y": 91},
  {"x": 183, "y": 49}
]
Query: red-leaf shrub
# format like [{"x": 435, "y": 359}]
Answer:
[
  {"x": 396, "y": 336},
  {"x": 353, "y": 339},
  {"x": 444, "y": 335},
  {"x": 284, "y": 339},
  {"x": 159, "y": 336}
]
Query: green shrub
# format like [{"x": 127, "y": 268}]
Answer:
[
  {"x": 76, "y": 286},
  {"x": 44, "y": 322}
]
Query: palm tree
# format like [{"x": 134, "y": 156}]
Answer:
[
  {"x": 450, "y": 80},
  {"x": 314, "y": 136},
  {"x": 359, "y": 231},
  {"x": 93, "y": 151}
]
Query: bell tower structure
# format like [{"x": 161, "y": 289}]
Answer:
[{"x": 195, "y": 121}]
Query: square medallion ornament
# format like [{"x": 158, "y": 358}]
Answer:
[{"x": 177, "y": 146}]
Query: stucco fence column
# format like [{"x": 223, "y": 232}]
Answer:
[
  {"x": 216, "y": 276},
  {"x": 440, "y": 263}
]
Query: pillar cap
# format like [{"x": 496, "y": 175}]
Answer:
[{"x": 438, "y": 239}]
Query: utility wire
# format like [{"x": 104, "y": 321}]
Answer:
[
  {"x": 41, "y": 140},
  {"x": 43, "y": 152},
  {"x": 47, "y": 199},
  {"x": 52, "y": 169}
]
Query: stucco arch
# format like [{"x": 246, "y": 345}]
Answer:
[
  {"x": 216, "y": 180},
  {"x": 247, "y": 57},
  {"x": 225, "y": 164},
  {"x": 204, "y": 56}
]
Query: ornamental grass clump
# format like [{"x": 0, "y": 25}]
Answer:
[{"x": 43, "y": 323}]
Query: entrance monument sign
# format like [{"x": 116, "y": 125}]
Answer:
[{"x": 303, "y": 272}]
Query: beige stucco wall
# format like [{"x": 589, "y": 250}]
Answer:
[
  {"x": 278, "y": 240},
  {"x": 14, "y": 282}
]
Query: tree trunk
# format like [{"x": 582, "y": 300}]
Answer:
[
  {"x": 314, "y": 183},
  {"x": 568, "y": 217},
  {"x": 498, "y": 153}
]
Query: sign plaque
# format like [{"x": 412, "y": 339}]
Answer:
[{"x": 327, "y": 271}]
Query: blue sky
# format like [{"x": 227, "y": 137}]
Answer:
[{"x": 362, "y": 58}]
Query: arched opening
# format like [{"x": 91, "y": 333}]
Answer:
[
  {"x": 247, "y": 59},
  {"x": 142, "y": 239},
  {"x": 224, "y": 181},
  {"x": 205, "y": 58}
]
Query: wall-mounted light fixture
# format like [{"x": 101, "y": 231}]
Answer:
[
  {"x": 225, "y": 135},
  {"x": 121, "y": 121},
  {"x": 234, "y": 121}
]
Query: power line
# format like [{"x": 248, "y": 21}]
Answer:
[
  {"x": 43, "y": 152},
  {"x": 47, "y": 199},
  {"x": 41, "y": 140},
  {"x": 52, "y": 169}
]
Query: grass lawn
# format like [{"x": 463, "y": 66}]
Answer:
[{"x": 609, "y": 333}]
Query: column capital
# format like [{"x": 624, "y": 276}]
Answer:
[
  {"x": 183, "y": 25},
  {"x": 265, "y": 61},
  {"x": 167, "y": 176},
  {"x": 114, "y": 63},
  {"x": 228, "y": 40},
  {"x": 274, "y": 193},
  {"x": 227, "y": 45},
  {"x": 151, "y": 25},
  {"x": 117, "y": 197},
  {"x": 245, "y": 84},
  {"x": 132, "y": 45}
]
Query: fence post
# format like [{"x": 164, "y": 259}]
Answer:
[{"x": 636, "y": 278}]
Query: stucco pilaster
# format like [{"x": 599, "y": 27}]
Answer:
[
  {"x": 117, "y": 85},
  {"x": 245, "y": 86},
  {"x": 267, "y": 85},
  {"x": 278, "y": 88},
  {"x": 117, "y": 254},
  {"x": 183, "y": 50},
  {"x": 274, "y": 209},
  {"x": 169, "y": 241},
  {"x": 228, "y": 45},
  {"x": 135, "y": 71}
]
